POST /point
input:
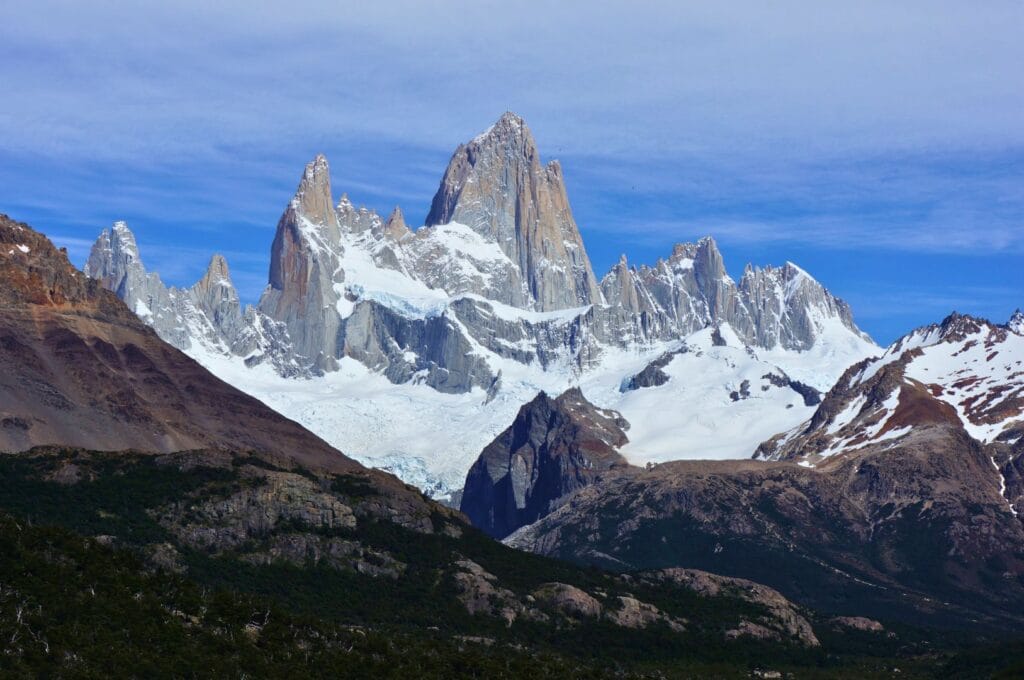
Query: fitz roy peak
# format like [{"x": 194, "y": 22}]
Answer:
[
  {"x": 497, "y": 186},
  {"x": 464, "y": 319}
]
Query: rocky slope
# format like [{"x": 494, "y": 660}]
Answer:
[
  {"x": 553, "y": 448},
  {"x": 914, "y": 531},
  {"x": 83, "y": 370}
]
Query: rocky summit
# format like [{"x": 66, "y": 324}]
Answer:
[
  {"x": 553, "y": 448},
  {"x": 470, "y": 315},
  {"x": 497, "y": 186}
]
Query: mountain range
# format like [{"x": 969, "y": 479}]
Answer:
[
  {"x": 450, "y": 338},
  {"x": 392, "y": 332}
]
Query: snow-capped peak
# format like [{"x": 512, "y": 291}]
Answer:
[
  {"x": 1016, "y": 322},
  {"x": 964, "y": 371}
]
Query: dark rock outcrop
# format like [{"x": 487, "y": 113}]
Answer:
[
  {"x": 553, "y": 448},
  {"x": 652, "y": 374},
  {"x": 811, "y": 396}
]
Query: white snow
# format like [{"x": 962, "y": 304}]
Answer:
[
  {"x": 834, "y": 350},
  {"x": 366, "y": 280},
  {"x": 427, "y": 437},
  {"x": 431, "y": 439},
  {"x": 852, "y": 436},
  {"x": 460, "y": 239},
  {"x": 692, "y": 415},
  {"x": 510, "y": 313},
  {"x": 1002, "y": 486},
  {"x": 23, "y": 248},
  {"x": 974, "y": 375},
  {"x": 847, "y": 415}
]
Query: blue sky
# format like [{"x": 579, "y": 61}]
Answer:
[{"x": 878, "y": 145}]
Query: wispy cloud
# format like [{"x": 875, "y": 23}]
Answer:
[
  {"x": 954, "y": 201},
  {"x": 971, "y": 233}
]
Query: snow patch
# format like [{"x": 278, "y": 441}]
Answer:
[{"x": 1002, "y": 486}]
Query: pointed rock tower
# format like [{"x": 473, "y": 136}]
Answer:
[
  {"x": 114, "y": 260},
  {"x": 303, "y": 267},
  {"x": 216, "y": 297},
  {"x": 497, "y": 186},
  {"x": 395, "y": 227}
]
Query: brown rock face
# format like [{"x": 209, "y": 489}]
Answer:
[
  {"x": 34, "y": 273},
  {"x": 553, "y": 448},
  {"x": 497, "y": 186},
  {"x": 81, "y": 370},
  {"x": 395, "y": 227}
]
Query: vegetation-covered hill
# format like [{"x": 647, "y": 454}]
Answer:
[{"x": 201, "y": 565}]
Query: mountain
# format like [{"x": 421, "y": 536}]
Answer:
[
  {"x": 964, "y": 372},
  {"x": 371, "y": 333},
  {"x": 899, "y": 495},
  {"x": 206, "y": 319},
  {"x": 770, "y": 308}
]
